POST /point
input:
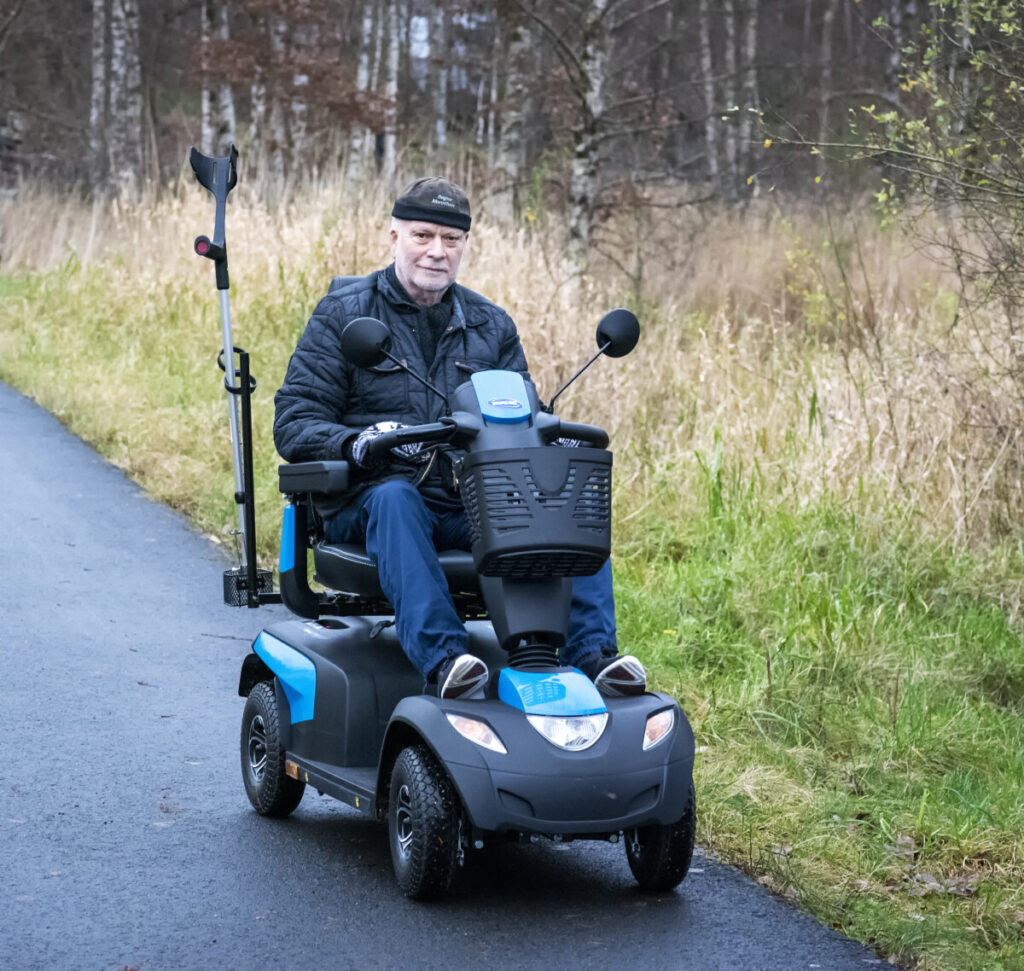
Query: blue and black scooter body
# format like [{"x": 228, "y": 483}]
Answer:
[{"x": 351, "y": 701}]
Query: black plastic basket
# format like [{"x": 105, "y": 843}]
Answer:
[{"x": 536, "y": 512}]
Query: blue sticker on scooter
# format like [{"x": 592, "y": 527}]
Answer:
[
  {"x": 286, "y": 559},
  {"x": 502, "y": 396},
  {"x": 562, "y": 693},
  {"x": 295, "y": 671}
]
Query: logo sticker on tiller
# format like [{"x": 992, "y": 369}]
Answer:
[{"x": 502, "y": 396}]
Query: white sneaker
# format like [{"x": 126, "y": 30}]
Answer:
[
  {"x": 620, "y": 676},
  {"x": 464, "y": 677}
]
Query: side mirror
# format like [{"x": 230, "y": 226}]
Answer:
[
  {"x": 366, "y": 341},
  {"x": 617, "y": 333}
]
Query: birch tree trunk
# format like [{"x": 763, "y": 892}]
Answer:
[
  {"x": 960, "y": 70},
  {"x": 593, "y": 62},
  {"x": 300, "y": 86},
  {"x": 218, "y": 101},
  {"x": 481, "y": 122},
  {"x": 894, "y": 56},
  {"x": 441, "y": 78},
  {"x": 362, "y": 137},
  {"x": 492, "y": 106},
  {"x": 707, "y": 71},
  {"x": 98, "y": 157},
  {"x": 419, "y": 50},
  {"x": 511, "y": 157},
  {"x": 750, "y": 94},
  {"x": 277, "y": 127},
  {"x": 730, "y": 84},
  {"x": 125, "y": 97},
  {"x": 258, "y": 116},
  {"x": 825, "y": 94},
  {"x": 390, "y": 165}
]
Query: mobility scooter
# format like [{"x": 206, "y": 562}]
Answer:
[{"x": 333, "y": 703}]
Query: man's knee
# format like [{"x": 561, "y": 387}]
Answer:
[{"x": 397, "y": 501}]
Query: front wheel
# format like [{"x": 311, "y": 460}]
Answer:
[
  {"x": 271, "y": 792},
  {"x": 423, "y": 824},
  {"x": 659, "y": 856}
]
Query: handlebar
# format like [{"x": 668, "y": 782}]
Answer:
[
  {"x": 441, "y": 430},
  {"x": 590, "y": 434},
  {"x": 447, "y": 428}
]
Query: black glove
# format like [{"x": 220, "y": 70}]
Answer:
[{"x": 357, "y": 447}]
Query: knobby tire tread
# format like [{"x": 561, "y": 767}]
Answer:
[
  {"x": 276, "y": 795},
  {"x": 667, "y": 851},
  {"x": 429, "y": 871}
]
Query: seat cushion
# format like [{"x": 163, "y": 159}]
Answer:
[{"x": 345, "y": 567}]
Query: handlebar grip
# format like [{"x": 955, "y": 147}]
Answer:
[
  {"x": 436, "y": 431},
  {"x": 590, "y": 434}
]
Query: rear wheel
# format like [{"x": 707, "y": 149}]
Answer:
[
  {"x": 423, "y": 824},
  {"x": 659, "y": 856},
  {"x": 271, "y": 792}
]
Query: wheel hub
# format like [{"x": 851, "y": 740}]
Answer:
[
  {"x": 403, "y": 822},
  {"x": 257, "y": 748}
]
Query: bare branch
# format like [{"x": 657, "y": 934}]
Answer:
[
  {"x": 657, "y": 5},
  {"x": 577, "y": 73},
  {"x": 7, "y": 21}
]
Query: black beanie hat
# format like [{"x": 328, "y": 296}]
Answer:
[{"x": 433, "y": 200}]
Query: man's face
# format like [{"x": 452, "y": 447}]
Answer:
[{"x": 427, "y": 258}]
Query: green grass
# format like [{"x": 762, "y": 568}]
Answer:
[
  {"x": 845, "y": 637},
  {"x": 857, "y": 699}
]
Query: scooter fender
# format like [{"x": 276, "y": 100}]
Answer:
[
  {"x": 536, "y": 787},
  {"x": 254, "y": 670},
  {"x": 422, "y": 718}
]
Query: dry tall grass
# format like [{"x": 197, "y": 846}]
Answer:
[{"x": 812, "y": 353}]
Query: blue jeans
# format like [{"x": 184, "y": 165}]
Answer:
[{"x": 403, "y": 532}]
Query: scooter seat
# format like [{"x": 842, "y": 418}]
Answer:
[{"x": 345, "y": 567}]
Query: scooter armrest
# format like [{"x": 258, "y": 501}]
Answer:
[{"x": 317, "y": 477}]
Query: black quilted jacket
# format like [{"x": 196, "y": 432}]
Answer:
[{"x": 325, "y": 399}]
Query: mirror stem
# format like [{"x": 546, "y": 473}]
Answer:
[{"x": 551, "y": 404}]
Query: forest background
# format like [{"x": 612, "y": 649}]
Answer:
[{"x": 815, "y": 206}]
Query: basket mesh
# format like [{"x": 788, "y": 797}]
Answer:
[{"x": 236, "y": 585}]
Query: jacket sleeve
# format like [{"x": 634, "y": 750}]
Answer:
[{"x": 309, "y": 406}]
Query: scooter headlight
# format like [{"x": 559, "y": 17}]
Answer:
[
  {"x": 477, "y": 731},
  {"x": 574, "y": 733},
  {"x": 658, "y": 727}
]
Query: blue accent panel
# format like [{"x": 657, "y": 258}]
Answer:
[
  {"x": 502, "y": 396},
  {"x": 563, "y": 693},
  {"x": 295, "y": 671},
  {"x": 286, "y": 559}
]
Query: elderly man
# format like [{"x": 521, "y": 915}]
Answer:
[{"x": 408, "y": 507}]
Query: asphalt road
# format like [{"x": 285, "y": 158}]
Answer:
[{"x": 127, "y": 840}]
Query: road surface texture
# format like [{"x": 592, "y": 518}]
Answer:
[{"x": 127, "y": 838}]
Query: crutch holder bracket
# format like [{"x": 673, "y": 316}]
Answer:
[{"x": 229, "y": 387}]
